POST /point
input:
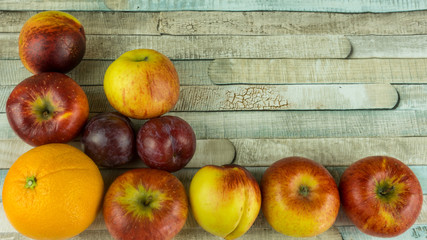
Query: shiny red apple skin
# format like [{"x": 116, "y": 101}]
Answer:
[
  {"x": 47, "y": 108},
  {"x": 361, "y": 187},
  {"x": 109, "y": 139},
  {"x": 126, "y": 216},
  {"x": 52, "y": 41},
  {"x": 167, "y": 143}
]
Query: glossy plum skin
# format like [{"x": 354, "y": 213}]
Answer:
[
  {"x": 167, "y": 143},
  {"x": 109, "y": 140}
]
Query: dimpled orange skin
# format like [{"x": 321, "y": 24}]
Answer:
[
  {"x": 142, "y": 84},
  {"x": 66, "y": 198},
  {"x": 290, "y": 213},
  {"x": 52, "y": 41}
]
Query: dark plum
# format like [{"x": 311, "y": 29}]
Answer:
[
  {"x": 109, "y": 139},
  {"x": 167, "y": 143}
]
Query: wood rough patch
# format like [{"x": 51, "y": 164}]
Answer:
[{"x": 254, "y": 98}]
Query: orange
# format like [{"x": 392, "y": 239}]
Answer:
[{"x": 53, "y": 191}]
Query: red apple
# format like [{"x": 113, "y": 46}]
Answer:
[
  {"x": 299, "y": 197},
  {"x": 381, "y": 196},
  {"x": 166, "y": 143},
  {"x": 47, "y": 108},
  {"x": 109, "y": 140},
  {"x": 52, "y": 41},
  {"x": 145, "y": 204}
]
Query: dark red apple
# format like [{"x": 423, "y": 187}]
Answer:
[
  {"x": 47, "y": 108},
  {"x": 145, "y": 204},
  {"x": 52, "y": 41},
  {"x": 166, "y": 143},
  {"x": 381, "y": 196},
  {"x": 109, "y": 139}
]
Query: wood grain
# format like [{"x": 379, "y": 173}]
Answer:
[
  {"x": 91, "y": 72},
  {"x": 292, "y": 97},
  {"x": 273, "y": 5},
  {"x": 93, "y": 22},
  {"x": 235, "y": 23},
  {"x": 330, "y": 151},
  {"x": 195, "y": 234},
  {"x": 218, "y": 5},
  {"x": 388, "y": 46},
  {"x": 52, "y": 5},
  {"x": 293, "y": 124},
  {"x": 110, "y": 47},
  {"x": 208, "y": 151},
  {"x": 291, "y": 71},
  {"x": 261, "y": 97},
  {"x": 280, "y": 23}
]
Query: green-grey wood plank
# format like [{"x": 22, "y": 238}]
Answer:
[
  {"x": 235, "y": 23},
  {"x": 330, "y": 151},
  {"x": 416, "y": 232},
  {"x": 274, "y": 5},
  {"x": 111, "y": 47},
  {"x": 91, "y": 72},
  {"x": 219, "y": 5},
  {"x": 292, "y": 124},
  {"x": 260, "y": 97},
  {"x": 296, "y": 71}
]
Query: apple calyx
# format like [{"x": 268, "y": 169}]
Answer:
[
  {"x": 30, "y": 182},
  {"x": 140, "y": 201},
  {"x": 386, "y": 191},
  {"x": 43, "y": 108},
  {"x": 304, "y": 190}
]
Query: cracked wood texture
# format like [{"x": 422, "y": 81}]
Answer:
[{"x": 331, "y": 80}]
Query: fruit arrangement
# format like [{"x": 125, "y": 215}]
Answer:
[{"x": 63, "y": 190}]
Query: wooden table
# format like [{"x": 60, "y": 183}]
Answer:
[{"x": 260, "y": 80}]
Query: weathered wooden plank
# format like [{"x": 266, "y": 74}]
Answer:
[
  {"x": 412, "y": 96},
  {"x": 194, "y": 234},
  {"x": 293, "y": 124},
  {"x": 111, "y": 47},
  {"x": 208, "y": 151},
  {"x": 330, "y": 151},
  {"x": 236, "y": 23},
  {"x": 388, "y": 46},
  {"x": 291, "y": 97},
  {"x": 260, "y": 97},
  {"x": 289, "y": 71},
  {"x": 91, "y": 72},
  {"x": 93, "y": 22},
  {"x": 52, "y": 5},
  {"x": 415, "y": 232},
  {"x": 275, "y": 5},
  {"x": 275, "y": 23},
  {"x": 218, "y": 5}
]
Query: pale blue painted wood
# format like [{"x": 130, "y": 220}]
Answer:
[
  {"x": 272, "y": 5},
  {"x": 416, "y": 232}
]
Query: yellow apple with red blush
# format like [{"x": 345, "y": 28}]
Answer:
[{"x": 142, "y": 84}]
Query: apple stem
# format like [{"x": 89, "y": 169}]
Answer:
[
  {"x": 31, "y": 182},
  {"x": 304, "y": 190}
]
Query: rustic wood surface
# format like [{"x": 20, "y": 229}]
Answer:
[{"x": 331, "y": 80}]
